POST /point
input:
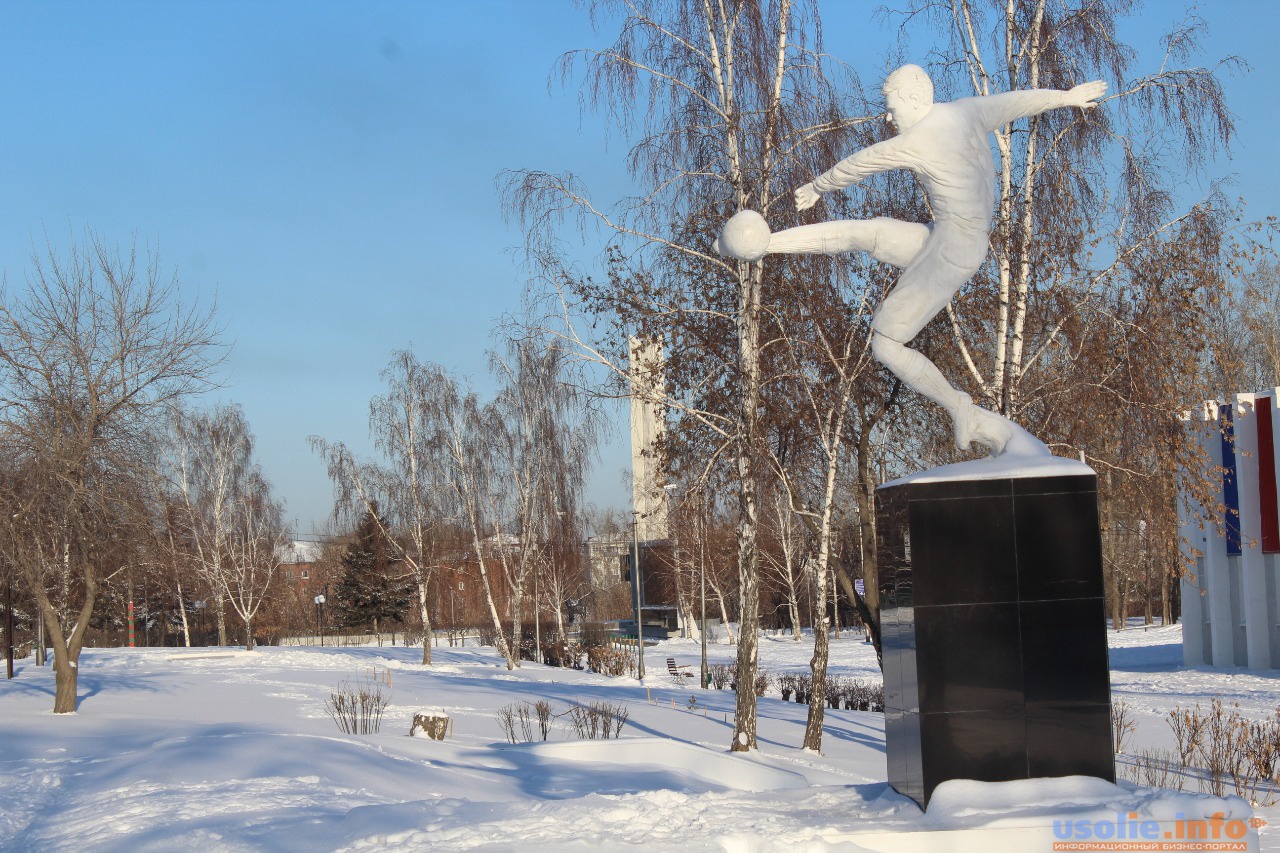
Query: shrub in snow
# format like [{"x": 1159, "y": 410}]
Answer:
[
  {"x": 611, "y": 660},
  {"x": 1122, "y": 723},
  {"x": 1153, "y": 768},
  {"x": 804, "y": 689},
  {"x": 357, "y": 708},
  {"x": 515, "y": 722},
  {"x": 721, "y": 674},
  {"x": 1262, "y": 749},
  {"x": 1219, "y": 749},
  {"x": 568, "y": 655},
  {"x": 598, "y": 720},
  {"x": 835, "y": 691},
  {"x": 854, "y": 694},
  {"x": 546, "y": 717},
  {"x": 1216, "y": 748},
  {"x": 528, "y": 645},
  {"x": 602, "y": 657}
]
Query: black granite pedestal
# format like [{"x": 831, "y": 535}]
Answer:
[{"x": 993, "y": 631}]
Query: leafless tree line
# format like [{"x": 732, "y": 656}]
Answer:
[{"x": 506, "y": 474}]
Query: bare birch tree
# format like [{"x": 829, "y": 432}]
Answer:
[
  {"x": 545, "y": 437},
  {"x": 1256, "y": 307},
  {"x": 211, "y": 459},
  {"x": 827, "y": 363},
  {"x": 786, "y": 562},
  {"x": 458, "y": 428},
  {"x": 258, "y": 539},
  {"x": 723, "y": 96},
  {"x": 410, "y": 486},
  {"x": 232, "y": 526}
]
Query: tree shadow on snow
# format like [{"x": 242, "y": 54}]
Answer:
[
  {"x": 88, "y": 685},
  {"x": 1166, "y": 656}
]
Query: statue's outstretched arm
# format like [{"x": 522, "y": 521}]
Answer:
[
  {"x": 999, "y": 110},
  {"x": 882, "y": 157}
]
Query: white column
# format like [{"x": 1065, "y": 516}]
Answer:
[
  {"x": 1274, "y": 395},
  {"x": 1253, "y": 579},
  {"x": 1191, "y": 539},
  {"x": 1217, "y": 577},
  {"x": 1271, "y": 564}
]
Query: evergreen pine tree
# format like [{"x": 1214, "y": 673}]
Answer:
[{"x": 373, "y": 587}]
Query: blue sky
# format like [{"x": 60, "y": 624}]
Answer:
[{"x": 326, "y": 171}]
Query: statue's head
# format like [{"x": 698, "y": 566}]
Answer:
[{"x": 908, "y": 93}]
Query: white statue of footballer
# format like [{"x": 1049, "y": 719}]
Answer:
[{"x": 947, "y": 146}]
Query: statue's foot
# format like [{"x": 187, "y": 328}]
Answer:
[
  {"x": 1023, "y": 443},
  {"x": 1001, "y": 436},
  {"x": 974, "y": 423},
  {"x": 745, "y": 237}
]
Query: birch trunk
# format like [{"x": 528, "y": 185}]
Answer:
[
  {"x": 182, "y": 608},
  {"x": 504, "y": 648},
  {"x": 826, "y": 535},
  {"x": 744, "y": 719},
  {"x": 219, "y": 603}
]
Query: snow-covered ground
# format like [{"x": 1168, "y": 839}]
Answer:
[{"x": 214, "y": 750}]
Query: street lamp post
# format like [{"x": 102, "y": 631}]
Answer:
[
  {"x": 199, "y": 607},
  {"x": 638, "y": 580},
  {"x": 702, "y": 598},
  {"x": 537, "y": 620},
  {"x": 453, "y": 615},
  {"x": 319, "y": 600},
  {"x": 8, "y": 626},
  {"x": 131, "y": 640}
]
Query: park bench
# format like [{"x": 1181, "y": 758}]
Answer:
[{"x": 679, "y": 673}]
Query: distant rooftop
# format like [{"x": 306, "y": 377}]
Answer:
[{"x": 300, "y": 551}]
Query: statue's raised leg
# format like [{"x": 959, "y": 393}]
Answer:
[
  {"x": 946, "y": 260},
  {"x": 931, "y": 277},
  {"x": 972, "y": 423},
  {"x": 746, "y": 237},
  {"x": 887, "y": 240}
]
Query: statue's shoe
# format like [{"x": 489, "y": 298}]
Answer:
[
  {"x": 1023, "y": 443},
  {"x": 998, "y": 434}
]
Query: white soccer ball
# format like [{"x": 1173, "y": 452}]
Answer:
[{"x": 745, "y": 237}]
